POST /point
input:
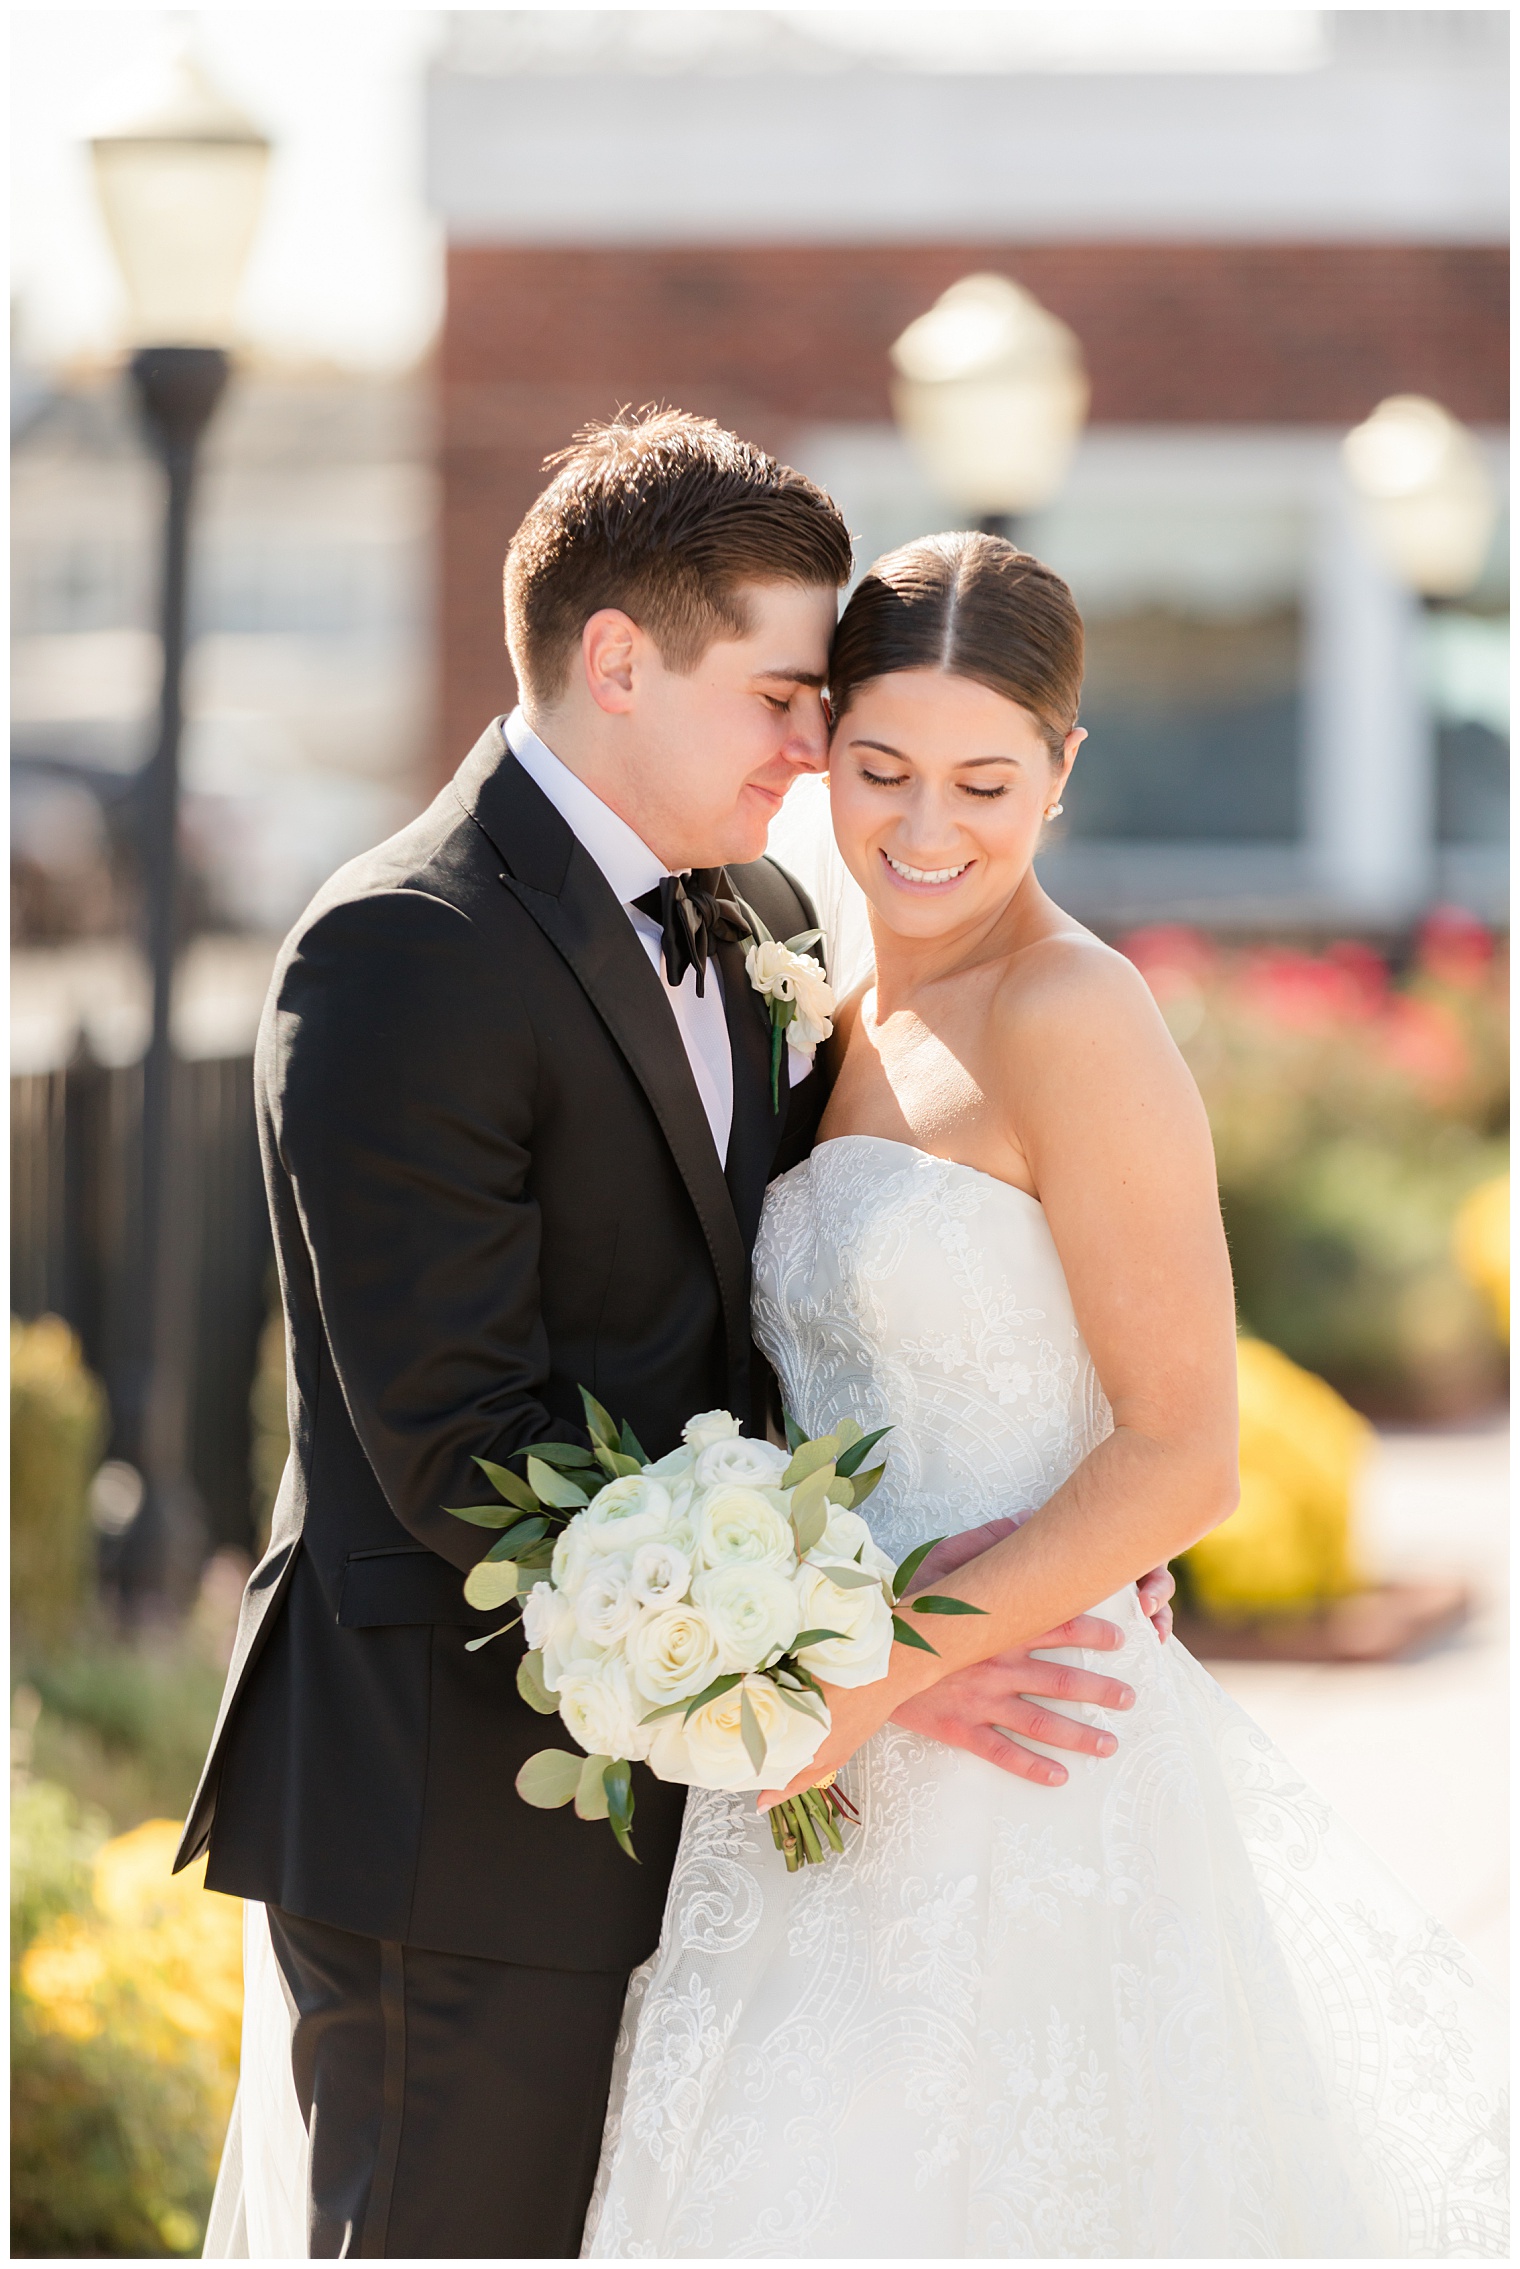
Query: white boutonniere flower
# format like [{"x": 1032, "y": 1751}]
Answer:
[{"x": 797, "y": 994}]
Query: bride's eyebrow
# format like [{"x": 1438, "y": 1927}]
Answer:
[{"x": 883, "y": 748}]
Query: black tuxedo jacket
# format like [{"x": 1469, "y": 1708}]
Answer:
[{"x": 492, "y": 1180}]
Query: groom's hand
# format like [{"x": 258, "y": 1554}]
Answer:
[{"x": 983, "y": 1707}]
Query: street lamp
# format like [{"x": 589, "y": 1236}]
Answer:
[
  {"x": 1426, "y": 495},
  {"x": 180, "y": 189},
  {"x": 990, "y": 389}
]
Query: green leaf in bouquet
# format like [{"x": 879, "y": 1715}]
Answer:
[
  {"x": 840, "y": 1492},
  {"x": 614, "y": 1464},
  {"x": 864, "y": 1483},
  {"x": 509, "y": 1485},
  {"x": 519, "y": 1538},
  {"x": 530, "y": 1684},
  {"x": 554, "y": 1488},
  {"x": 846, "y": 1577},
  {"x": 483, "y": 1516},
  {"x": 908, "y": 1637},
  {"x": 910, "y": 1567},
  {"x": 631, "y": 1447},
  {"x": 617, "y": 1780},
  {"x": 591, "y": 1793},
  {"x": 801, "y": 1704},
  {"x": 847, "y": 1433},
  {"x": 600, "y": 1423},
  {"x": 814, "y": 1639},
  {"x": 719, "y": 1686},
  {"x": 855, "y": 1453},
  {"x": 550, "y": 1778},
  {"x": 473, "y": 1646},
  {"x": 755, "y": 1744},
  {"x": 809, "y": 1458},
  {"x": 933, "y": 1603},
  {"x": 563, "y": 1453},
  {"x": 794, "y": 1434},
  {"x": 491, "y": 1583},
  {"x": 808, "y": 1526}
]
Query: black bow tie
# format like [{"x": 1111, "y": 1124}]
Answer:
[{"x": 692, "y": 919}]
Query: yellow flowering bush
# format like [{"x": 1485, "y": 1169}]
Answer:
[
  {"x": 126, "y": 2020},
  {"x": 58, "y": 1428},
  {"x": 1481, "y": 1243},
  {"x": 1287, "y": 1548}
]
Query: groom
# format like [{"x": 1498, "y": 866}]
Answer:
[{"x": 517, "y": 1121}]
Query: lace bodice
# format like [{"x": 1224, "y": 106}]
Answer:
[{"x": 905, "y": 1290}]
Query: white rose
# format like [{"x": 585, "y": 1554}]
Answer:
[
  {"x": 740, "y": 1463},
  {"x": 670, "y": 1752},
  {"x": 544, "y": 1610},
  {"x": 659, "y": 1574},
  {"x": 628, "y": 1512},
  {"x": 605, "y": 1606},
  {"x": 600, "y": 1710},
  {"x": 673, "y": 1654},
  {"x": 740, "y": 1524},
  {"x": 753, "y": 1610},
  {"x": 715, "y": 1744},
  {"x": 573, "y": 1554},
  {"x": 707, "y": 1427},
  {"x": 847, "y": 1535},
  {"x": 681, "y": 1529},
  {"x": 861, "y": 1614}
]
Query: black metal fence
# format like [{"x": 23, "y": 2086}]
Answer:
[{"x": 75, "y": 1176}]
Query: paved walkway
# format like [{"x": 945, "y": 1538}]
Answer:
[{"x": 1414, "y": 1755}]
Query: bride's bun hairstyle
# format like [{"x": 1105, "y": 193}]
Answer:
[
  {"x": 665, "y": 516},
  {"x": 975, "y": 606}
]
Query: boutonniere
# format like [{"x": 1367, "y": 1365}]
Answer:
[{"x": 796, "y": 993}]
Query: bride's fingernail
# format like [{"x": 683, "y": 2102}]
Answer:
[{"x": 1106, "y": 1745}]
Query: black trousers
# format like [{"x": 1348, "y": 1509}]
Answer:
[{"x": 454, "y": 2105}]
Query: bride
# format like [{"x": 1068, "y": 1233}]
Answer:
[{"x": 1170, "y": 2009}]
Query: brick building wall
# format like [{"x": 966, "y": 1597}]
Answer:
[{"x": 767, "y": 338}]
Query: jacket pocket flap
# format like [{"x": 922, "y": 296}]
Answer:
[{"x": 408, "y": 1585}]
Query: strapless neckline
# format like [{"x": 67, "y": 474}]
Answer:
[{"x": 956, "y": 1165}]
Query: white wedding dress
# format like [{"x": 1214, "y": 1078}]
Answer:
[{"x": 1170, "y": 2010}]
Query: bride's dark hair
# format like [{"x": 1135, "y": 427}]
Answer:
[{"x": 976, "y": 606}]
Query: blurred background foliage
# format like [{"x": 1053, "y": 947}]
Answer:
[{"x": 1357, "y": 1108}]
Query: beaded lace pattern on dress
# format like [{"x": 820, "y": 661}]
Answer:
[{"x": 1170, "y": 2010}]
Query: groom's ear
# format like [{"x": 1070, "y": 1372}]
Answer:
[{"x": 610, "y": 643}]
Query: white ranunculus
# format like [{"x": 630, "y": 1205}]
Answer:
[
  {"x": 778, "y": 974},
  {"x": 846, "y": 1536},
  {"x": 672, "y": 1654},
  {"x": 544, "y": 1610},
  {"x": 549, "y": 1624},
  {"x": 600, "y": 1710},
  {"x": 681, "y": 1529},
  {"x": 605, "y": 1606},
  {"x": 715, "y": 1744},
  {"x": 860, "y": 1614},
  {"x": 740, "y": 1524},
  {"x": 753, "y": 1609},
  {"x": 707, "y": 1427},
  {"x": 572, "y": 1555},
  {"x": 659, "y": 1574},
  {"x": 628, "y": 1512},
  {"x": 741, "y": 1463},
  {"x": 675, "y": 1464}
]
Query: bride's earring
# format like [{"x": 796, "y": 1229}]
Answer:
[{"x": 1054, "y": 811}]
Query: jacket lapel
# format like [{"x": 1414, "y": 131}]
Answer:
[{"x": 564, "y": 891}]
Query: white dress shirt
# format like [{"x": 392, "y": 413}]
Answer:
[{"x": 631, "y": 868}]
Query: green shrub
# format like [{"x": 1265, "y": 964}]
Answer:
[
  {"x": 58, "y": 1431},
  {"x": 126, "y": 1725}
]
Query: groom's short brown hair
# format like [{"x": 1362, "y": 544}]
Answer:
[{"x": 665, "y": 516}]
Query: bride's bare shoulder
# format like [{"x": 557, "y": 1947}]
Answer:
[{"x": 1070, "y": 993}]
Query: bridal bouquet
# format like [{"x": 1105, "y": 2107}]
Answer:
[{"x": 684, "y": 1611}]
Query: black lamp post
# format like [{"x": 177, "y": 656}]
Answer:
[{"x": 180, "y": 191}]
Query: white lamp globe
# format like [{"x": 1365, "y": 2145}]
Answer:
[
  {"x": 181, "y": 185},
  {"x": 990, "y": 388},
  {"x": 1427, "y": 497}
]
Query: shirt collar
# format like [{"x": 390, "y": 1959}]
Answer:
[{"x": 626, "y": 861}]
